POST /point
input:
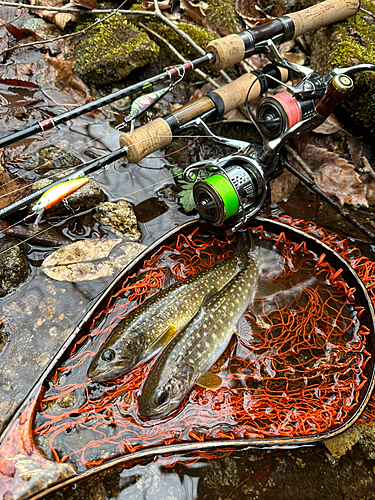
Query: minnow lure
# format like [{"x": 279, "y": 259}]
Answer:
[
  {"x": 142, "y": 104},
  {"x": 57, "y": 193}
]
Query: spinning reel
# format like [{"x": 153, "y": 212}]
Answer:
[{"x": 238, "y": 186}]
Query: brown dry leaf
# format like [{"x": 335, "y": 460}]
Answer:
[
  {"x": 246, "y": 9},
  {"x": 196, "y": 10},
  {"x": 86, "y": 4},
  {"x": 89, "y": 260},
  {"x": 61, "y": 19},
  {"x": 329, "y": 126},
  {"x": 11, "y": 189},
  {"x": 18, "y": 33},
  {"x": 164, "y": 4},
  {"x": 335, "y": 176}
]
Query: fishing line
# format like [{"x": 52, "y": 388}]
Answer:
[
  {"x": 75, "y": 215},
  {"x": 82, "y": 165}
]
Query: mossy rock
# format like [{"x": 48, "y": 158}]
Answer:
[
  {"x": 222, "y": 14},
  {"x": 345, "y": 44},
  {"x": 14, "y": 267},
  {"x": 199, "y": 35},
  {"x": 111, "y": 50}
]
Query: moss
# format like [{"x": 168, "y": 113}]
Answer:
[
  {"x": 345, "y": 44},
  {"x": 201, "y": 37},
  {"x": 354, "y": 43},
  {"x": 222, "y": 14},
  {"x": 111, "y": 50}
]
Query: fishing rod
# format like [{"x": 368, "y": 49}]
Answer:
[
  {"x": 147, "y": 139},
  {"x": 221, "y": 53}
]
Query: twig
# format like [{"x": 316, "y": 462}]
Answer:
[
  {"x": 177, "y": 54},
  {"x": 69, "y": 35},
  {"x": 311, "y": 186},
  {"x": 185, "y": 36},
  {"x": 300, "y": 162},
  {"x": 75, "y": 10},
  {"x": 367, "y": 167},
  {"x": 362, "y": 9}
]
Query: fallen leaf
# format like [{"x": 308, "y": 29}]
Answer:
[
  {"x": 196, "y": 11},
  {"x": 11, "y": 189},
  {"x": 246, "y": 8},
  {"x": 329, "y": 126},
  {"x": 89, "y": 260},
  {"x": 87, "y": 4},
  {"x": 335, "y": 176},
  {"x": 18, "y": 33},
  {"x": 164, "y": 4},
  {"x": 18, "y": 83}
]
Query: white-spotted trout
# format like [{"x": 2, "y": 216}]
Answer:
[
  {"x": 197, "y": 347},
  {"x": 149, "y": 328}
]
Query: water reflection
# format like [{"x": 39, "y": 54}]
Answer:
[{"x": 152, "y": 482}]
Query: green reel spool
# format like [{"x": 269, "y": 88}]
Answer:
[{"x": 226, "y": 192}]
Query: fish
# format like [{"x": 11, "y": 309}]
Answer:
[
  {"x": 150, "y": 327},
  {"x": 189, "y": 356}
]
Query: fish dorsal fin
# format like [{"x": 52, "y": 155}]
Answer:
[
  {"x": 209, "y": 380},
  {"x": 266, "y": 289},
  {"x": 164, "y": 338}
]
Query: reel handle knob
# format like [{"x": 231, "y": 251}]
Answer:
[{"x": 339, "y": 87}]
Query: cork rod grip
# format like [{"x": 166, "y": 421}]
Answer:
[
  {"x": 322, "y": 14},
  {"x": 157, "y": 134},
  {"x": 235, "y": 93},
  {"x": 147, "y": 139},
  {"x": 231, "y": 49}
]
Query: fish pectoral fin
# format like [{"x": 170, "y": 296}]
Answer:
[
  {"x": 244, "y": 330},
  {"x": 209, "y": 380},
  {"x": 163, "y": 339},
  {"x": 266, "y": 289}
]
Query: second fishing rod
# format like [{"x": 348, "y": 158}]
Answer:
[
  {"x": 221, "y": 53},
  {"x": 158, "y": 133}
]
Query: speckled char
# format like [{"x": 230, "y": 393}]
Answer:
[
  {"x": 196, "y": 348},
  {"x": 152, "y": 325}
]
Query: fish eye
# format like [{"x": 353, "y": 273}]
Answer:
[
  {"x": 108, "y": 355},
  {"x": 160, "y": 397}
]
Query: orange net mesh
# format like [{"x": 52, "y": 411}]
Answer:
[{"x": 299, "y": 377}]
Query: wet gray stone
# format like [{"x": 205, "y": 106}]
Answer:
[
  {"x": 120, "y": 217},
  {"x": 14, "y": 268}
]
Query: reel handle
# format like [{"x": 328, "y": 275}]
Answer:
[
  {"x": 159, "y": 133},
  {"x": 234, "y": 48},
  {"x": 338, "y": 88}
]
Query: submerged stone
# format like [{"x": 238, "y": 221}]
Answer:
[
  {"x": 111, "y": 50},
  {"x": 14, "y": 268},
  {"x": 120, "y": 217}
]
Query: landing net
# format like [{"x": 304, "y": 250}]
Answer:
[{"x": 300, "y": 377}]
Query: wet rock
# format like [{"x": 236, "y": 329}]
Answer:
[
  {"x": 84, "y": 198},
  {"x": 52, "y": 157},
  {"x": 367, "y": 441},
  {"x": 339, "y": 445},
  {"x": 14, "y": 268},
  {"x": 111, "y": 50},
  {"x": 120, "y": 217}
]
